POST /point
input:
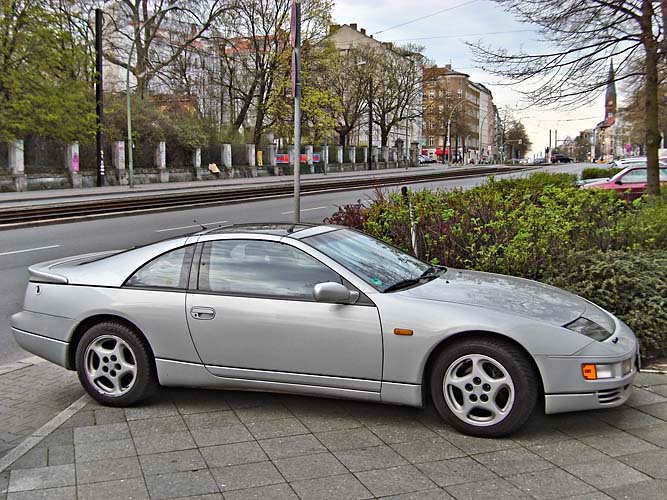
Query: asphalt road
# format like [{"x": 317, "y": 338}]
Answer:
[{"x": 21, "y": 248}]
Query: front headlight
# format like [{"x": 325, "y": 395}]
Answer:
[{"x": 589, "y": 328}]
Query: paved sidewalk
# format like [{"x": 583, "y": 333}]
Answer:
[
  {"x": 32, "y": 392},
  {"x": 213, "y": 445},
  {"x": 56, "y": 195}
]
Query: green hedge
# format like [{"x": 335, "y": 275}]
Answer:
[
  {"x": 535, "y": 227},
  {"x": 599, "y": 172}
]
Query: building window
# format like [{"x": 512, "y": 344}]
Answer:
[
  {"x": 459, "y": 93},
  {"x": 431, "y": 140}
]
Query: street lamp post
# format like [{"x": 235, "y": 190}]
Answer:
[{"x": 449, "y": 139}]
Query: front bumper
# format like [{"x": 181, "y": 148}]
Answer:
[{"x": 565, "y": 387}]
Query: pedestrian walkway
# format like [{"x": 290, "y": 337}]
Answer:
[
  {"x": 216, "y": 445},
  {"x": 106, "y": 192}
]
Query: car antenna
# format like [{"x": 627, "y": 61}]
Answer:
[{"x": 200, "y": 224}]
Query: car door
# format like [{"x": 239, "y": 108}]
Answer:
[
  {"x": 252, "y": 314},
  {"x": 633, "y": 183}
]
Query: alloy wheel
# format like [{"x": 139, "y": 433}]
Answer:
[{"x": 110, "y": 365}]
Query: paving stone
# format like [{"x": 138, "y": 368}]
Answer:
[
  {"x": 513, "y": 461},
  {"x": 331, "y": 488},
  {"x": 211, "y": 496},
  {"x": 403, "y": 432},
  {"x": 473, "y": 445},
  {"x": 377, "y": 457},
  {"x": 456, "y": 471},
  {"x": 324, "y": 423},
  {"x": 348, "y": 439},
  {"x": 649, "y": 490},
  {"x": 237, "y": 477},
  {"x": 496, "y": 489},
  {"x": 550, "y": 484},
  {"x": 607, "y": 473},
  {"x": 65, "y": 493},
  {"x": 81, "y": 419},
  {"x": 153, "y": 409},
  {"x": 174, "y": 441},
  {"x": 61, "y": 455},
  {"x": 208, "y": 402},
  {"x": 263, "y": 413},
  {"x": 107, "y": 470},
  {"x": 580, "y": 425},
  {"x": 121, "y": 489},
  {"x": 395, "y": 480},
  {"x": 567, "y": 452},
  {"x": 658, "y": 410},
  {"x": 211, "y": 420},
  {"x": 221, "y": 435},
  {"x": 273, "y": 492},
  {"x": 277, "y": 428},
  {"x": 659, "y": 389},
  {"x": 101, "y": 433},
  {"x": 292, "y": 446},
  {"x": 152, "y": 426},
  {"x": 37, "y": 457},
  {"x": 372, "y": 414},
  {"x": 540, "y": 433},
  {"x": 652, "y": 463},
  {"x": 173, "y": 461},
  {"x": 649, "y": 379},
  {"x": 41, "y": 478},
  {"x": 88, "y": 452},
  {"x": 233, "y": 454},
  {"x": 427, "y": 450},
  {"x": 242, "y": 399},
  {"x": 656, "y": 434},
  {"x": 627, "y": 418},
  {"x": 618, "y": 443},
  {"x": 62, "y": 436},
  {"x": 422, "y": 495},
  {"x": 641, "y": 397},
  {"x": 598, "y": 495},
  {"x": 109, "y": 416},
  {"x": 310, "y": 466},
  {"x": 180, "y": 484}
]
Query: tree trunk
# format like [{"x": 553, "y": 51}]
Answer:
[{"x": 651, "y": 99}]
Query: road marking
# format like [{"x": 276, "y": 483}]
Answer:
[
  {"x": 305, "y": 210},
  {"x": 190, "y": 227},
  {"x": 29, "y": 250}
]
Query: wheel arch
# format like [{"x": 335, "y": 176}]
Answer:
[
  {"x": 91, "y": 321},
  {"x": 459, "y": 337}
]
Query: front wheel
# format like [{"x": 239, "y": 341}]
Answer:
[
  {"x": 484, "y": 387},
  {"x": 114, "y": 365}
]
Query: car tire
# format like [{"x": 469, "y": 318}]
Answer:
[
  {"x": 492, "y": 400},
  {"x": 115, "y": 365}
]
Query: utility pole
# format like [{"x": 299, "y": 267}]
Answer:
[
  {"x": 99, "y": 97},
  {"x": 370, "y": 121},
  {"x": 295, "y": 38}
]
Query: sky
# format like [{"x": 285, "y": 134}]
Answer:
[{"x": 444, "y": 35}]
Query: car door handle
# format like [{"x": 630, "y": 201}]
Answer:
[{"x": 202, "y": 312}]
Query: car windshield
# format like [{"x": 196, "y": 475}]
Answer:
[{"x": 378, "y": 264}]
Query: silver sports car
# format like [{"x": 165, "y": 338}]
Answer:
[{"x": 325, "y": 311}]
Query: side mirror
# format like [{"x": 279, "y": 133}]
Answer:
[
  {"x": 619, "y": 182},
  {"x": 334, "y": 293}
]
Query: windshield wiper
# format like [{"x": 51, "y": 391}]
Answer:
[{"x": 429, "y": 274}]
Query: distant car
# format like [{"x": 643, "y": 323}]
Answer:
[
  {"x": 324, "y": 311},
  {"x": 631, "y": 181},
  {"x": 425, "y": 159},
  {"x": 561, "y": 158}
]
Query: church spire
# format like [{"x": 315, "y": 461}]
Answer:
[{"x": 610, "y": 97}]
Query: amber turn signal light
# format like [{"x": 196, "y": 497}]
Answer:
[
  {"x": 589, "y": 372},
  {"x": 402, "y": 331}
]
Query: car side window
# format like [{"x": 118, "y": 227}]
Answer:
[
  {"x": 261, "y": 268},
  {"x": 169, "y": 270},
  {"x": 637, "y": 175}
]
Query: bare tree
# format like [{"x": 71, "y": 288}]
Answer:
[
  {"x": 157, "y": 33},
  {"x": 582, "y": 36}
]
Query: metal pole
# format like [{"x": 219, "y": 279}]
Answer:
[
  {"x": 99, "y": 97},
  {"x": 449, "y": 144},
  {"x": 130, "y": 162},
  {"x": 370, "y": 122},
  {"x": 296, "y": 75}
]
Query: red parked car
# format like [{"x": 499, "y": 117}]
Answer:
[{"x": 630, "y": 181}]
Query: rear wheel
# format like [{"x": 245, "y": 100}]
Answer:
[
  {"x": 114, "y": 365},
  {"x": 484, "y": 387}
]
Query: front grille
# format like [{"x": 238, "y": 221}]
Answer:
[{"x": 610, "y": 396}]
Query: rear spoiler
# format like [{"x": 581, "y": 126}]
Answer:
[
  {"x": 49, "y": 272},
  {"x": 45, "y": 276}
]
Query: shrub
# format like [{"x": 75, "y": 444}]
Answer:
[
  {"x": 598, "y": 172},
  {"x": 646, "y": 226},
  {"x": 631, "y": 285}
]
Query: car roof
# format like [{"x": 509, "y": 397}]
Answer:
[{"x": 284, "y": 229}]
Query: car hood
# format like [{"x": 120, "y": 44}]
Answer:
[{"x": 506, "y": 294}]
